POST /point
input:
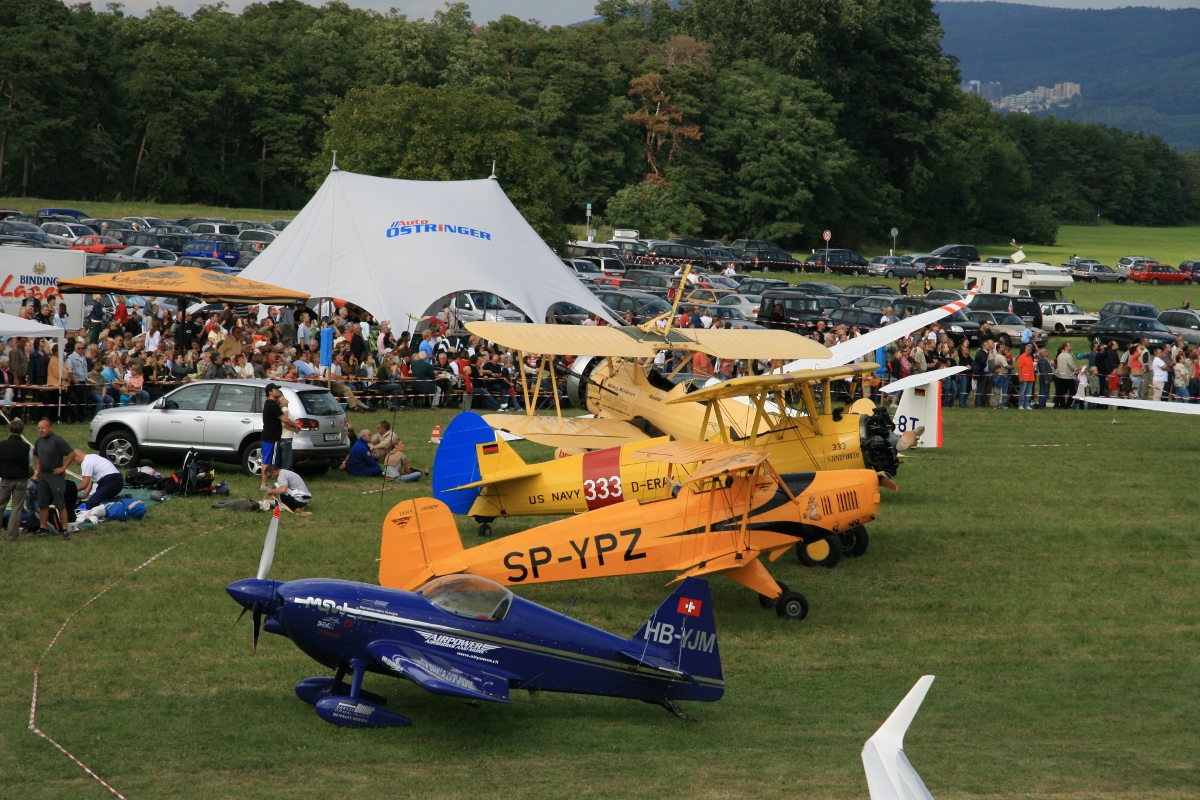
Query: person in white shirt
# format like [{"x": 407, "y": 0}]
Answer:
[
  {"x": 729, "y": 271},
  {"x": 1158, "y": 369},
  {"x": 287, "y": 486},
  {"x": 100, "y": 478}
]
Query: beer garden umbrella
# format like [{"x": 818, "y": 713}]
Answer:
[{"x": 183, "y": 283}]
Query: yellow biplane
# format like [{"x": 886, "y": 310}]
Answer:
[{"x": 723, "y": 512}]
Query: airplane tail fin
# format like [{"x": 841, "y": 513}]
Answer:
[
  {"x": 890, "y": 776},
  {"x": 921, "y": 407},
  {"x": 457, "y": 460},
  {"x": 416, "y": 535},
  {"x": 682, "y": 635}
]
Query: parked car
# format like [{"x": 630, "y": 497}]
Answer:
[
  {"x": 1126, "y": 263},
  {"x": 700, "y": 295},
  {"x": 176, "y": 230},
  {"x": 208, "y": 247},
  {"x": 966, "y": 252},
  {"x": 820, "y": 288},
  {"x": 877, "y": 301},
  {"x": 740, "y": 245},
  {"x": 244, "y": 225},
  {"x": 20, "y": 241},
  {"x": 585, "y": 249},
  {"x": 164, "y": 241},
  {"x": 612, "y": 267},
  {"x": 116, "y": 228},
  {"x": 222, "y": 420},
  {"x": 1183, "y": 322},
  {"x": 697, "y": 243},
  {"x": 1097, "y": 273},
  {"x": 768, "y": 261},
  {"x": 1005, "y": 260},
  {"x": 31, "y": 232},
  {"x": 1191, "y": 267},
  {"x": 730, "y": 317},
  {"x": 481, "y": 307},
  {"x": 655, "y": 283},
  {"x": 946, "y": 295},
  {"x": 65, "y": 232},
  {"x": 203, "y": 262},
  {"x": 1125, "y": 330},
  {"x": 863, "y": 318},
  {"x": 1121, "y": 308},
  {"x": 630, "y": 249},
  {"x": 1154, "y": 274},
  {"x": 946, "y": 267},
  {"x": 894, "y": 266},
  {"x": 757, "y": 285},
  {"x": 868, "y": 289},
  {"x": 846, "y": 262},
  {"x": 145, "y": 223},
  {"x": 153, "y": 256},
  {"x": 584, "y": 270},
  {"x": 614, "y": 283},
  {"x": 677, "y": 254},
  {"x": 100, "y": 265},
  {"x": 201, "y": 228},
  {"x": 279, "y": 224},
  {"x": 746, "y": 303},
  {"x": 564, "y": 313},
  {"x": 1007, "y": 327},
  {"x": 1072, "y": 263},
  {"x": 1025, "y": 307},
  {"x": 97, "y": 244},
  {"x": 263, "y": 237},
  {"x": 75, "y": 214},
  {"x": 1063, "y": 318},
  {"x": 643, "y": 306},
  {"x": 791, "y": 310}
]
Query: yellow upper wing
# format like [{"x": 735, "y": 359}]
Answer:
[
  {"x": 753, "y": 385},
  {"x": 633, "y": 342},
  {"x": 572, "y": 432}
]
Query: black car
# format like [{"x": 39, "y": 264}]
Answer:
[
  {"x": 820, "y": 287},
  {"x": 966, "y": 252},
  {"x": 768, "y": 260},
  {"x": 101, "y": 265},
  {"x": 203, "y": 262},
  {"x": 1125, "y": 330},
  {"x": 658, "y": 284},
  {"x": 1120, "y": 308},
  {"x": 791, "y": 310},
  {"x": 863, "y": 318},
  {"x": 756, "y": 285},
  {"x": 19, "y": 241},
  {"x": 644, "y": 306},
  {"x": 1025, "y": 307},
  {"x": 869, "y": 289},
  {"x": 946, "y": 267},
  {"x": 847, "y": 262},
  {"x": 741, "y": 245},
  {"x": 677, "y": 254},
  {"x": 564, "y": 313},
  {"x": 699, "y": 244}
]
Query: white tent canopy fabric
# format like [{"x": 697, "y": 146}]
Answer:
[
  {"x": 395, "y": 246},
  {"x": 12, "y": 325}
]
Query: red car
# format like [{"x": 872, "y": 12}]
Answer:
[
  {"x": 1155, "y": 273},
  {"x": 101, "y": 245}
]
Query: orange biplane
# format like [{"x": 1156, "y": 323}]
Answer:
[{"x": 730, "y": 509}]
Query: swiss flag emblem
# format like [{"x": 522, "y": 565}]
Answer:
[{"x": 689, "y": 607}]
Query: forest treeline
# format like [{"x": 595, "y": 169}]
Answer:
[{"x": 749, "y": 118}]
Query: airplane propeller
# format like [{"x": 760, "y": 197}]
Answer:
[
  {"x": 264, "y": 570},
  {"x": 909, "y": 439}
]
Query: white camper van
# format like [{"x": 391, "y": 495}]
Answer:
[{"x": 1043, "y": 282}]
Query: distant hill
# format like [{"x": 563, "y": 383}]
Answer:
[{"x": 1139, "y": 68}]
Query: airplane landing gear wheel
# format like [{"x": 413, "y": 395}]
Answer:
[
  {"x": 855, "y": 542},
  {"x": 485, "y": 529},
  {"x": 767, "y": 602},
  {"x": 791, "y": 605},
  {"x": 826, "y": 552}
]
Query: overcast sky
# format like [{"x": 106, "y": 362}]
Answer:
[{"x": 560, "y": 12}]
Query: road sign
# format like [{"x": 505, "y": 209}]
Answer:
[
  {"x": 895, "y": 232},
  {"x": 827, "y": 236}
]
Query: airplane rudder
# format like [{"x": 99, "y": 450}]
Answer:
[
  {"x": 684, "y": 625},
  {"x": 417, "y": 534},
  {"x": 456, "y": 461}
]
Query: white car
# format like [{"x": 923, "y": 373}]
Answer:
[
  {"x": 746, "y": 303},
  {"x": 66, "y": 232},
  {"x": 1067, "y": 318},
  {"x": 154, "y": 256},
  {"x": 1127, "y": 263}
]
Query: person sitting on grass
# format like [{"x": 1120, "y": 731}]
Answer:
[
  {"x": 359, "y": 462},
  {"x": 287, "y": 487}
]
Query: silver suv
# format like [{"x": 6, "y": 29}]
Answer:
[{"x": 223, "y": 420}]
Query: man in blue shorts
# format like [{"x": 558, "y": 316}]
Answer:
[{"x": 272, "y": 430}]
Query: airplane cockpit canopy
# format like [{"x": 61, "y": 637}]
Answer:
[{"x": 468, "y": 596}]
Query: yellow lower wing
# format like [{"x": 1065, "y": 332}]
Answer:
[{"x": 589, "y": 433}]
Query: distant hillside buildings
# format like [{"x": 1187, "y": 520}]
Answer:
[{"x": 1040, "y": 99}]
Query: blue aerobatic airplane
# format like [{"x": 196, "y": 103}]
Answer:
[{"x": 468, "y": 637}]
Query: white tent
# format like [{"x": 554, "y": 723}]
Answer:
[
  {"x": 394, "y": 247},
  {"x": 12, "y": 325}
]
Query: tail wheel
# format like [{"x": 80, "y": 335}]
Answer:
[
  {"x": 825, "y": 552},
  {"x": 791, "y": 605},
  {"x": 767, "y": 602},
  {"x": 855, "y": 542}
]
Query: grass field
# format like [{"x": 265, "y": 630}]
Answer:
[{"x": 1043, "y": 566}]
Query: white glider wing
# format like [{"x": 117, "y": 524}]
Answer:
[
  {"x": 868, "y": 343},
  {"x": 889, "y": 775},
  {"x": 921, "y": 379},
  {"x": 1145, "y": 405}
]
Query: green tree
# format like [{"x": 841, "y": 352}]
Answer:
[
  {"x": 447, "y": 134},
  {"x": 656, "y": 208}
]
